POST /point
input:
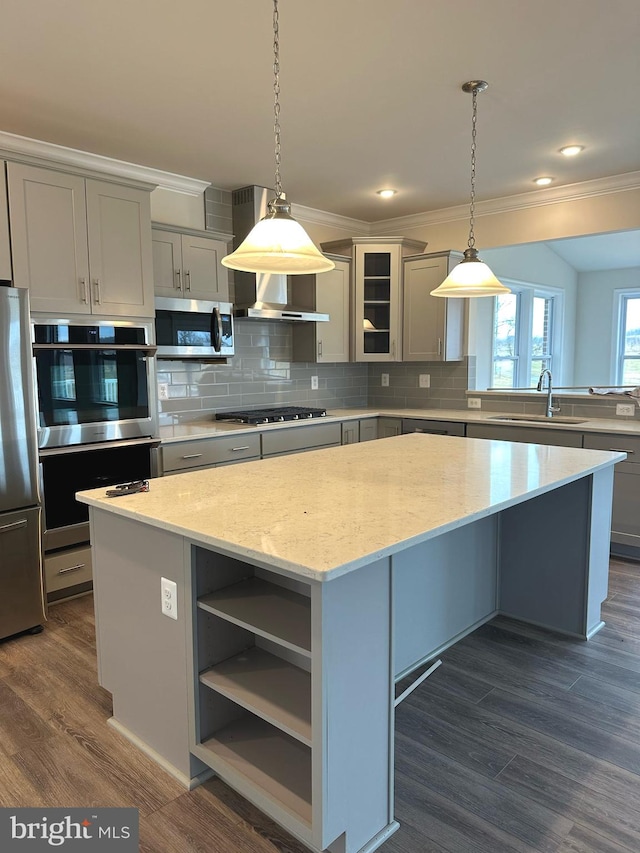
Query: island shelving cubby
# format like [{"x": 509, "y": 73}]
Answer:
[
  {"x": 253, "y": 658},
  {"x": 260, "y": 720}
]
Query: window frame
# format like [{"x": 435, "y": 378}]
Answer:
[
  {"x": 526, "y": 292},
  {"x": 622, "y": 297}
]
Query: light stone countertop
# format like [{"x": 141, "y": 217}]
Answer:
[
  {"x": 326, "y": 512},
  {"x": 210, "y": 428}
]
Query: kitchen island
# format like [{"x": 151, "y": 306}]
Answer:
[{"x": 307, "y": 585}]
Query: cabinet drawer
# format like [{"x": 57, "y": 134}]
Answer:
[
  {"x": 301, "y": 438},
  {"x": 432, "y": 427},
  {"x": 527, "y": 435},
  {"x": 67, "y": 568},
  {"x": 209, "y": 451},
  {"x": 614, "y": 441}
]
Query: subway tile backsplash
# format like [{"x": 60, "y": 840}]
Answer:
[{"x": 260, "y": 374}]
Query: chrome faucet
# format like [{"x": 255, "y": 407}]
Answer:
[{"x": 551, "y": 409}]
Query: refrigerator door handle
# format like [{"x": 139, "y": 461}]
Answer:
[{"x": 5, "y": 528}]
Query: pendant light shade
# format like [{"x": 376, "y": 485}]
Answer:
[
  {"x": 277, "y": 243},
  {"x": 471, "y": 277}
]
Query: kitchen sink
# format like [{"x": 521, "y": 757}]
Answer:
[{"x": 556, "y": 419}]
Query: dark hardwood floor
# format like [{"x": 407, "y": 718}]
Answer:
[{"x": 522, "y": 742}]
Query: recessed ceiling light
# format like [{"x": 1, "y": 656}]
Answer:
[
  {"x": 542, "y": 182},
  {"x": 571, "y": 150},
  {"x": 386, "y": 193}
]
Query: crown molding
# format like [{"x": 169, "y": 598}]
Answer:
[
  {"x": 47, "y": 153},
  {"x": 334, "y": 220},
  {"x": 522, "y": 201}
]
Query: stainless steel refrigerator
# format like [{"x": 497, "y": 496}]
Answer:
[{"x": 22, "y": 605}]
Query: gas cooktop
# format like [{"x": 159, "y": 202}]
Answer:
[{"x": 271, "y": 416}]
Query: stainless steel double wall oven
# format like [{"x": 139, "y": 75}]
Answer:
[{"x": 97, "y": 414}]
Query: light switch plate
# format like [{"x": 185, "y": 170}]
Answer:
[
  {"x": 384, "y": 380},
  {"x": 424, "y": 380},
  {"x": 474, "y": 402},
  {"x": 314, "y": 383},
  {"x": 625, "y": 409}
]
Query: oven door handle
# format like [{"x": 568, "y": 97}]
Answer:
[
  {"x": 216, "y": 328},
  {"x": 144, "y": 348}
]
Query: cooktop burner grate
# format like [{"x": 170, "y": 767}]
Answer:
[{"x": 271, "y": 416}]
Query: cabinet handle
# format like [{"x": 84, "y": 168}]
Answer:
[
  {"x": 393, "y": 349},
  {"x": 320, "y": 349},
  {"x": 179, "y": 280},
  {"x": 621, "y": 450},
  {"x": 16, "y": 525},
  {"x": 96, "y": 283},
  {"x": 85, "y": 291},
  {"x": 71, "y": 569},
  {"x": 439, "y": 346},
  {"x": 187, "y": 280},
  {"x": 192, "y": 456},
  {"x": 238, "y": 449}
]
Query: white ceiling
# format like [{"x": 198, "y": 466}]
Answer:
[
  {"x": 615, "y": 251},
  {"x": 370, "y": 92}
]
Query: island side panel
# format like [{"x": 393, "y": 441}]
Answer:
[
  {"x": 142, "y": 653},
  {"x": 601, "y": 513},
  {"x": 553, "y": 566},
  {"x": 352, "y": 710},
  {"x": 442, "y": 590}
]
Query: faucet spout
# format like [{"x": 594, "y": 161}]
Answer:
[{"x": 550, "y": 409}]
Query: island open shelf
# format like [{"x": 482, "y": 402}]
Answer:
[{"x": 251, "y": 751}]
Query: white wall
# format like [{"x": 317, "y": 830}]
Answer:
[
  {"x": 173, "y": 208},
  {"x": 595, "y": 323}
]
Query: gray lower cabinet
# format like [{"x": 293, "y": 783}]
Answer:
[
  {"x": 369, "y": 429},
  {"x": 209, "y": 452},
  {"x": 388, "y": 427},
  {"x": 67, "y": 572},
  {"x": 432, "y": 427},
  {"x": 297, "y": 439},
  {"x": 351, "y": 432},
  {"x": 625, "y": 523},
  {"x": 527, "y": 435}
]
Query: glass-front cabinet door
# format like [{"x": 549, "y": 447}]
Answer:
[{"x": 377, "y": 315}]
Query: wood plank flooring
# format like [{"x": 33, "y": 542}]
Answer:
[{"x": 522, "y": 742}]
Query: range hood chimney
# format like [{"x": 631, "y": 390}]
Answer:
[{"x": 262, "y": 295}]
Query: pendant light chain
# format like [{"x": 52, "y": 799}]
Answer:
[
  {"x": 276, "y": 92},
  {"x": 472, "y": 236}
]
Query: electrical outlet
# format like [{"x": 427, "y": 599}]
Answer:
[
  {"x": 424, "y": 380},
  {"x": 163, "y": 390},
  {"x": 384, "y": 380},
  {"x": 169, "y": 596},
  {"x": 474, "y": 402},
  {"x": 314, "y": 383},
  {"x": 626, "y": 409}
]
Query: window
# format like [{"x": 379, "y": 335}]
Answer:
[
  {"x": 523, "y": 337},
  {"x": 628, "y": 367}
]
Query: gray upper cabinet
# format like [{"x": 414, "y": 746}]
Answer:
[
  {"x": 376, "y": 309},
  {"x": 433, "y": 327},
  {"x": 79, "y": 245},
  {"x": 328, "y": 293},
  {"x": 6, "y": 273},
  {"x": 189, "y": 265}
]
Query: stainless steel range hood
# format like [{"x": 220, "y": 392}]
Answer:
[{"x": 262, "y": 295}]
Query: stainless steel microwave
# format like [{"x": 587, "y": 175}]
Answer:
[{"x": 193, "y": 328}]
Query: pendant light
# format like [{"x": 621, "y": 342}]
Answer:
[
  {"x": 471, "y": 277},
  {"x": 277, "y": 243}
]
